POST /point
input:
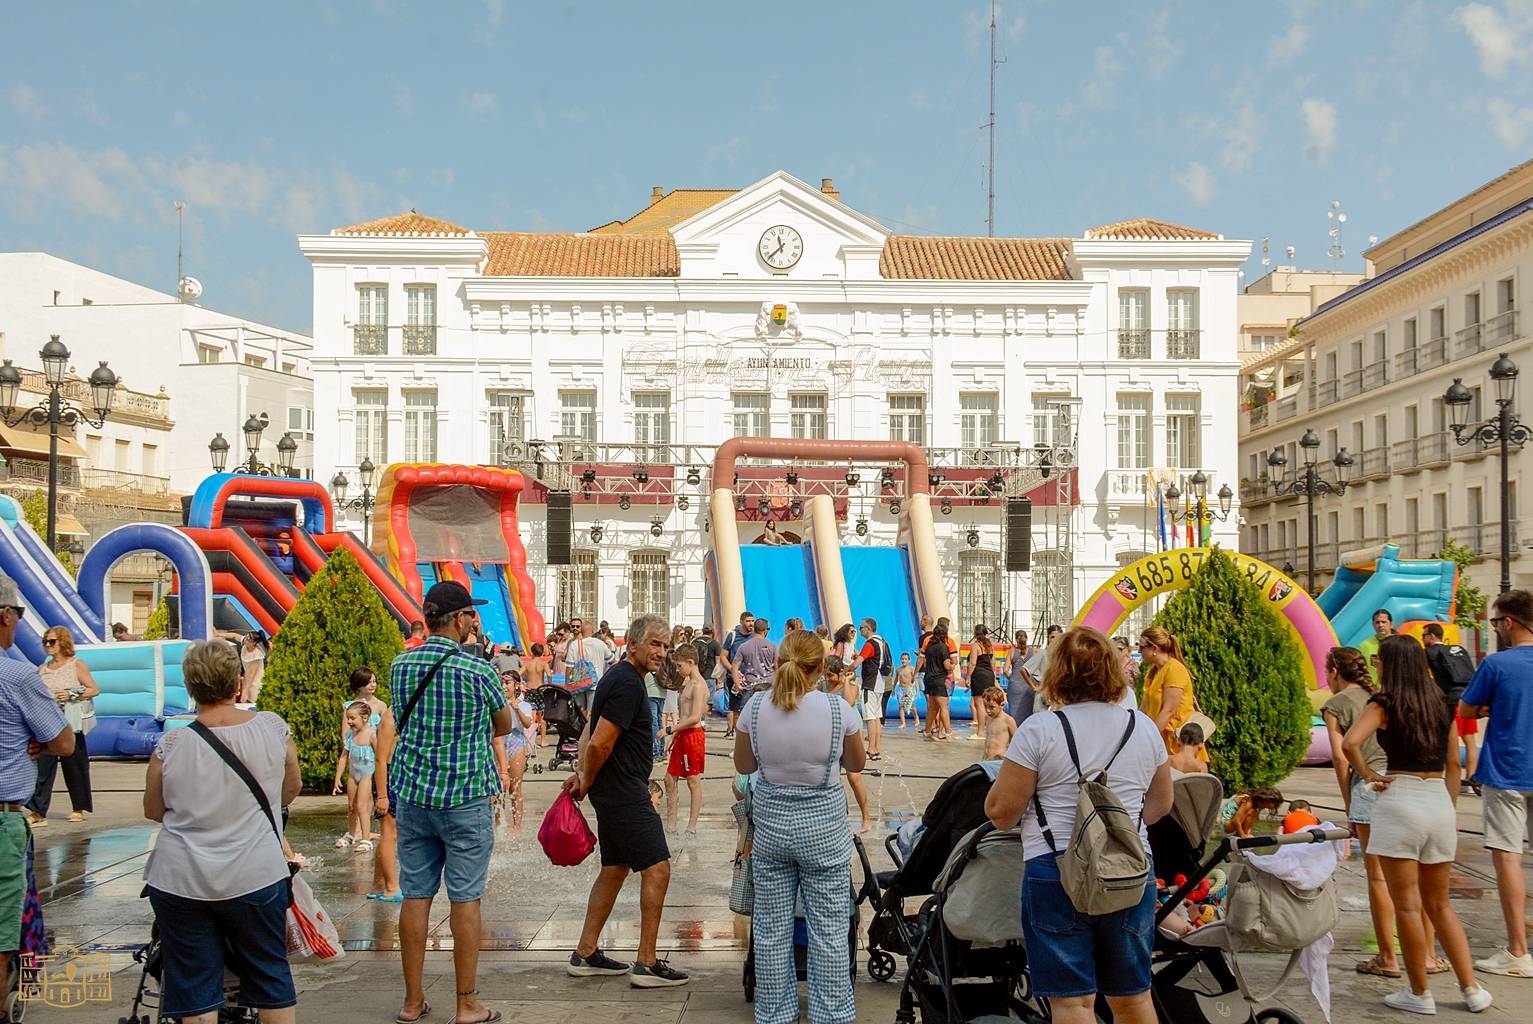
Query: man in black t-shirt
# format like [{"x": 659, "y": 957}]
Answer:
[
  {"x": 707, "y": 655},
  {"x": 615, "y": 762}
]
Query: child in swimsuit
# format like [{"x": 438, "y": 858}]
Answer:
[{"x": 360, "y": 756}]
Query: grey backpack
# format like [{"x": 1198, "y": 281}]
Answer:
[{"x": 1104, "y": 868}]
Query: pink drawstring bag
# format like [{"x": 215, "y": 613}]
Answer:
[{"x": 564, "y": 834}]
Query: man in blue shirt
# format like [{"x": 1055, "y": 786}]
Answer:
[
  {"x": 734, "y": 685},
  {"x": 30, "y": 724},
  {"x": 1502, "y": 690}
]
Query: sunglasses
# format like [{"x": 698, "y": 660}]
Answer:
[{"x": 50, "y": 642}]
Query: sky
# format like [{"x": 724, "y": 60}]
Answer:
[{"x": 274, "y": 119}]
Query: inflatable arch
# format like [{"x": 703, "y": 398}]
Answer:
[
  {"x": 191, "y": 565},
  {"x": 1165, "y": 573},
  {"x": 207, "y": 508}
]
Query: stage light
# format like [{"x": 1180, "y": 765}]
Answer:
[
  {"x": 894, "y": 508},
  {"x": 693, "y": 476},
  {"x": 739, "y": 503},
  {"x": 656, "y": 528},
  {"x": 862, "y": 527},
  {"x": 764, "y": 507},
  {"x": 795, "y": 508},
  {"x": 852, "y": 479},
  {"x": 792, "y": 478},
  {"x": 596, "y": 532},
  {"x": 624, "y": 504},
  {"x": 588, "y": 476},
  {"x": 641, "y": 475},
  {"x": 947, "y": 507},
  {"x": 886, "y": 479},
  {"x": 683, "y": 502},
  {"x": 973, "y": 538}
]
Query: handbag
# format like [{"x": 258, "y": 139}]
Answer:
[
  {"x": 564, "y": 834},
  {"x": 742, "y": 888},
  {"x": 81, "y": 715},
  {"x": 310, "y": 931},
  {"x": 1266, "y": 913}
]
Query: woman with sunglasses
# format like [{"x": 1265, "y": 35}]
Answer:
[{"x": 71, "y": 684}]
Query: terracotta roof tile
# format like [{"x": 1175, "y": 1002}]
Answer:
[
  {"x": 407, "y": 223},
  {"x": 571, "y": 254},
  {"x": 1148, "y": 228},
  {"x": 914, "y": 257},
  {"x": 671, "y": 209}
]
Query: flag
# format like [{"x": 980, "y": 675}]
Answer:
[
  {"x": 1190, "y": 542},
  {"x": 1160, "y": 516}
]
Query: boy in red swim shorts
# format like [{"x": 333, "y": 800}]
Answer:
[{"x": 686, "y": 738}]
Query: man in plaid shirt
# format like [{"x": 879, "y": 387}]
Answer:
[{"x": 442, "y": 774}]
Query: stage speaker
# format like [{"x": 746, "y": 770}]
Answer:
[
  {"x": 1019, "y": 534},
  {"x": 559, "y": 528}
]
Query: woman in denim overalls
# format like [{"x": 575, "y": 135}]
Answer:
[{"x": 803, "y": 844}]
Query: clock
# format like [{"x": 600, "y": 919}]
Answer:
[{"x": 781, "y": 246}]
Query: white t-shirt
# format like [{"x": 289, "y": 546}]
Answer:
[
  {"x": 591, "y": 649},
  {"x": 794, "y": 745},
  {"x": 1040, "y": 745}
]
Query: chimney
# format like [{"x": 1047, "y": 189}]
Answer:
[
  {"x": 829, "y": 188},
  {"x": 656, "y": 193}
]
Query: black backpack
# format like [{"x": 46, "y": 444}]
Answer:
[
  {"x": 706, "y": 658},
  {"x": 1458, "y": 663}
]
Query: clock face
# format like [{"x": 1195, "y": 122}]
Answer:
[{"x": 781, "y": 246}]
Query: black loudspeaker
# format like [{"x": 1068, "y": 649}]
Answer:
[
  {"x": 1019, "y": 534},
  {"x": 559, "y": 528}
]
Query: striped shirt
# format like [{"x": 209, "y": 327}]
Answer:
[
  {"x": 27, "y": 712},
  {"x": 443, "y": 756}
]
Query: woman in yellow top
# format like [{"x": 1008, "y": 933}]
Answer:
[{"x": 1168, "y": 698}]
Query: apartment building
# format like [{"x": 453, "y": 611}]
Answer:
[{"x": 1367, "y": 371}]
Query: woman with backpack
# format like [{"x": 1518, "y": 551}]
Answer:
[{"x": 1084, "y": 934}]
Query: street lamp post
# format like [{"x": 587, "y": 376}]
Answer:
[
  {"x": 1197, "y": 495},
  {"x": 1505, "y": 429},
  {"x": 1310, "y": 483},
  {"x": 254, "y": 427},
  {"x": 55, "y": 412},
  {"x": 362, "y": 502}
]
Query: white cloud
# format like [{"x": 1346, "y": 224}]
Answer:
[
  {"x": 766, "y": 95},
  {"x": 1105, "y": 69},
  {"x": 25, "y": 101},
  {"x": 1198, "y": 181},
  {"x": 1291, "y": 43},
  {"x": 482, "y": 103},
  {"x": 182, "y": 119},
  {"x": 1510, "y": 123},
  {"x": 1160, "y": 49},
  {"x": 539, "y": 116},
  {"x": 727, "y": 151},
  {"x": 1319, "y": 128},
  {"x": 494, "y": 14},
  {"x": 404, "y": 99},
  {"x": 1242, "y": 138},
  {"x": 90, "y": 110},
  {"x": 444, "y": 176},
  {"x": 1497, "y": 36},
  {"x": 575, "y": 115}
]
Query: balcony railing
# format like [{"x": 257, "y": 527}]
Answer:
[
  {"x": 1484, "y": 539},
  {"x": 1373, "y": 463},
  {"x": 1433, "y": 353},
  {"x": 120, "y": 480},
  {"x": 1407, "y": 363},
  {"x": 1324, "y": 394},
  {"x": 1468, "y": 341},
  {"x": 1430, "y": 541},
  {"x": 1376, "y": 375},
  {"x": 1499, "y": 328},
  {"x": 1254, "y": 492},
  {"x": 372, "y": 340},
  {"x": 1287, "y": 408},
  {"x": 1133, "y": 343},
  {"x": 420, "y": 339},
  {"x": 1402, "y": 456},
  {"x": 36, "y": 471},
  {"x": 1258, "y": 416},
  {"x": 1131, "y": 486},
  {"x": 1351, "y": 383},
  {"x": 1432, "y": 450},
  {"x": 1183, "y": 343}
]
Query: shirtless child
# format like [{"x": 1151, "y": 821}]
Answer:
[
  {"x": 905, "y": 690},
  {"x": 1186, "y": 759},
  {"x": 1001, "y": 727},
  {"x": 688, "y": 748},
  {"x": 841, "y": 678}
]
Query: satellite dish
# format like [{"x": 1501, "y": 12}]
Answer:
[{"x": 190, "y": 289}]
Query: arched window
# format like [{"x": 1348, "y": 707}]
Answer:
[
  {"x": 979, "y": 590},
  {"x": 649, "y": 584},
  {"x": 577, "y": 587}
]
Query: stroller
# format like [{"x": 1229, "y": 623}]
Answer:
[
  {"x": 146, "y": 998},
  {"x": 563, "y": 713}
]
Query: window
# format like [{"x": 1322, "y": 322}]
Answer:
[
  {"x": 752, "y": 413},
  {"x": 1381, "y": 520},
  {"x": 1438, "y": 320},
  {"x": 1182, "y": 321},
  {"x": 300, "y": 422},
  {"x": 420, "y": 426},
  {"x": 1412, "y": 520},
  {"x": 151, "y": 460},
  {"x": 93, "y": 449},
  {"x": 1381, "y": 430},
  {"x": 255, "y": 360},
  {"x": 806, "y": 416},
  {"x": 372, "y": 419},
  {"x": 1051, "y": 420},
  {"x": 1263, "y": 342},
  {"x": 1331, "y": 440},
  {"x": 979, "y": 589},
  {"x": 577, "y": 414},
  {"x": 122, "y": 456},
  {"x": 1052, "y": 601},
  {"x": 372, "y": 320},
  {"x": 1506, "y": 295},
  {"x": 1359, "y": 525},
  {"x": 1330, "y": 366},
  {"x": 1410, "y": 334},
  {"x": 420, "y": 320},
  {"x": 1133, "y": 323},
  {"x": 1358, "y": 444},
  {"x": 505, "y": 424},
  {"x": 1133, "y": 431},
  {"x": 1357, "y": 354},
  {"x": 1412, "y": 423},
  {"x": 977, "y": 420},
  {"x": 577, "y": 587},
  {"x": 652, "y": 417},
  {"x": 1380, "y": 346},
  {"x": 907, "y": 418},
  {"x": 1184, "y": 432},
  {"x": 208, "y": 353},
  {"x": 649, "y": 584},
  {"x": 1471, "y": 309},
  {"x": 143, "y": 607}
]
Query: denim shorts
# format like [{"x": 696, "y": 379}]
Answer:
[
  {"x": 1072, "y": 954},
  {"x": 198, "y": 938},
  {"x": 445, "y": 843},
  {"x": 1360, "y": 806}
]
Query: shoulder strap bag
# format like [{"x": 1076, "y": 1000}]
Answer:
[
  {"x": 404, "y": 715},
  {"x": 238, "y": 767}
]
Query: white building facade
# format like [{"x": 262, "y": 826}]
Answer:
[{"x": 436, "y": 343}]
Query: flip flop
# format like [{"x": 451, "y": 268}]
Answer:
[
  {"x": 493, "y": 1018},
  {"x": 1376, "y": 969},
  {"x": 398, "y": 897},
  {"x": 402, "y": 1019}
]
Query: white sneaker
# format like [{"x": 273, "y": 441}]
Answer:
[
  {"x": 1504, "y": 963},
  {"x": 1410, "y": 1002},
  {"x": 1477, "y": 999}
]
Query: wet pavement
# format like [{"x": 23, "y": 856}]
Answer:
[{"x": 90, "y": 878}]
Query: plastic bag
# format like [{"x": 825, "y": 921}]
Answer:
[
  {"x": 310, "y": 932},
  {"x": 564, "y": 834}
]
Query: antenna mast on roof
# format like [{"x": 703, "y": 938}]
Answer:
[
  {"x": 990, "y": 212},
  {"x": 180, "y": 210}
]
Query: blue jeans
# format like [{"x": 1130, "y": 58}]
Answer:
[
  {"x": 657, "y": 716},
  {"x": 1075, "y": 954},
  {"x": 199, "y": 938},
  {"x": 451, "y": 843}
]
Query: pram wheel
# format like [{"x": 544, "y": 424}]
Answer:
[
  {"x": 881, "y": 965},
  {"x": 1273, "y": 1015}
]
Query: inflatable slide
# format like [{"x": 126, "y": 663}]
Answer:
[
  {"x": 439, "y": 522},
  {"x": 1412, "y": 590}
]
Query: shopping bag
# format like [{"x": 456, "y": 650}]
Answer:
[
  {"x": 564, "y": 834},
  {"x": 310, "y": 932}
]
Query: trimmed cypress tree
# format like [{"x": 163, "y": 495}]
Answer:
[
  {"x": 1248, "y": 674},
  {"x": 338, "y": 625},
  {"x": 159, "y": 621}
]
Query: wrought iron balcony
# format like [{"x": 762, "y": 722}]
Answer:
[
  {"x": 1433, "y": 353},
  {"x": 1287, "y": 408},
  {"x": 1484, "y": 539},
  {"x": 1433, "y": 450},
  {"x": 1500, "y": 328},
  {"x": 1133, "y": 343},
  {"x": 1468, "y": 341},
  {"x": 1183, "y": 343},
  {"x": 1402, "y": 456},
  {"x": 371, "y": 340},
  {"x": 1373, "y": 463},
  {"x": 1407, "y": 363},
  {"x": 36, "y": 471},
  {"x": 1376, "y": 375},
  {"x": 420, "y": 339},
  {"x": 1323, "y": 394},
  {"x": 1351, "y": 383}
]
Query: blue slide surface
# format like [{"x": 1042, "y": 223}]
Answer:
[
  {"x": 779, "y": 585},
  {"x": 1410, "y": 590},
  {"x": 878, "y": 587},
  {"x": 1342, "y": 589},
  {"x": 489, "y": 584}
]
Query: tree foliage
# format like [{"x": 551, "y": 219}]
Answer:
[
  {"x": 1469, "y": 601},
  {"x": 159, "y": 621},
  {"x": 1247, "y": 671},
  {"x": 35, "y": 508},
  {"x": 338, "y": 625}
]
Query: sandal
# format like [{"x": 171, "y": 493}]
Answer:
[
  {"x": 402, "y": 1019},
  {"x": 1439, "y": 965},
  {"x": 1375, "y": 967},
  {"x": 365, "y": 846},
  {"x": 344, "y": 841}
]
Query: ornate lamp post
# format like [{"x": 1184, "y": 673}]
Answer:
[
  {"x": 54, "y": 411},
  {"x": 1505, "y": 429},
  {"x": 1310, "y": 483},
  {"x": 1197, "y": 497},
  {"x": 255, "y": 426},
  {"x": 363, "y": 502}
]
